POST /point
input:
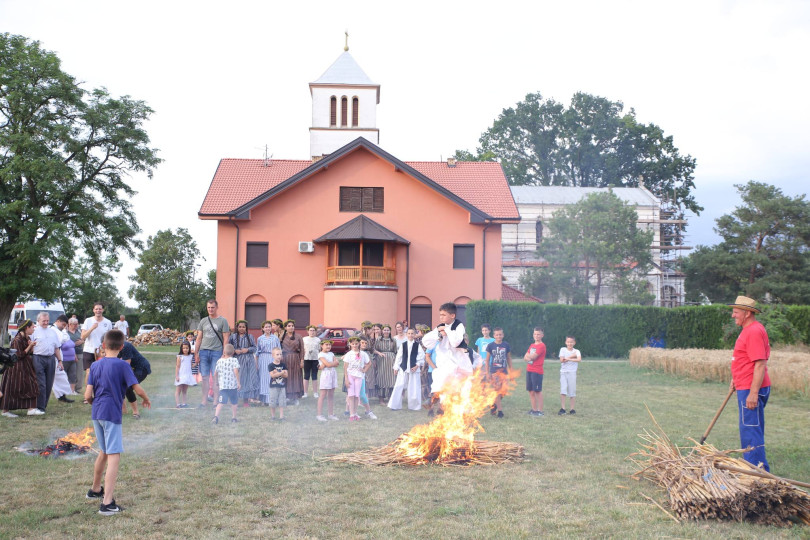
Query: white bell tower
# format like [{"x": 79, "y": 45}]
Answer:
[{"x": 344, "y": 106}]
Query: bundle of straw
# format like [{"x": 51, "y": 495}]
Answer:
[
  {"x": 703, "y": 482},
  {"x": 479, "y": 453}
]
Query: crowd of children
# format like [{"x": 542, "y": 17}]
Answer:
[{"x": 412, "y": 365}]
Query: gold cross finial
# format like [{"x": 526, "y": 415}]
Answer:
[{"x": 346, "y": 47}]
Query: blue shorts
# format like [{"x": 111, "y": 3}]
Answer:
[
  {"x": 208, "y": 361},
  {"x": 534, "y": 381},
  {"x": 109, "y": 435},
  {"x": 228, "y": 395}
]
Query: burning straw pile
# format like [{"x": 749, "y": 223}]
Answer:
[
  {"x": 706, "y": 483},
  {"x": 450, "y": 438}
]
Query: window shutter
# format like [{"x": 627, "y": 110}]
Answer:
[
  {"x": 355, "y": 111},
  {"x": 333, "y": 111},
  {"x": 256, "y": 255},
  {"x": 378, "y": 203},
  {"x": 344, "y": 111}
]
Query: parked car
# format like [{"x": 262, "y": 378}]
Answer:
[
  {"x": 146, "y": 328},
  {"x": 338, "y": 337}
]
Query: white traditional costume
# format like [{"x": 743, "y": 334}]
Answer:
[
  {"x": 450, "y": 354},
  {"x": 409, "y": 355}
]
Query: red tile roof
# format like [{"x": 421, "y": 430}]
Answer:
[
  {"x": 240, "y": 181},
  {"x": 514, "y": 295}
]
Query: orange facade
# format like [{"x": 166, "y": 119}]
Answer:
[{"x": 341, "y": 282}]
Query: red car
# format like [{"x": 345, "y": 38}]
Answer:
[{"x": 338, "y": 337}]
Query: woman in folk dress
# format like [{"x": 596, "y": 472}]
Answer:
[
  {"x": 292, "y": 346},
  {"x": 245, "y": 348},
  {"x": 264, "y": 354},
  {"x": 385, "y": 350}
]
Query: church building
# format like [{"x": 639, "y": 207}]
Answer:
[{"x": 354, "y": 233}]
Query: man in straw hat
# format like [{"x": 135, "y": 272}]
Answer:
[{"x": 749, "y": 376}]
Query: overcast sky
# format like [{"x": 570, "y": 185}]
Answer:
[{"x": 728, "y": 80}]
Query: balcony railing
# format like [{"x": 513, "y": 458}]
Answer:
[{"x": 360, "y": 275}]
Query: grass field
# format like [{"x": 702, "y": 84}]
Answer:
[{"x": 183, "y": 477}]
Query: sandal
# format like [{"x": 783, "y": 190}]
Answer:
[{"x": 136, "y": 416}]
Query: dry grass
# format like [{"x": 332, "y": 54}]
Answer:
[{"x": 789, "y": 371}]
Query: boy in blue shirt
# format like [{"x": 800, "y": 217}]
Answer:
[
  {"x": 107, "y": 383},
  {"x": 482, "y": 342}
]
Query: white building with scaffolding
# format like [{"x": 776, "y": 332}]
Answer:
[{"x": 537, "y": 204}]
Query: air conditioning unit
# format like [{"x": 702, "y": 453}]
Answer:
[{"x": 306, "y": 247}]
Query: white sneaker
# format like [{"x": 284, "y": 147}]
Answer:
[
  {"x": 9, "y": 414},
  {"x": 332, "y": 417},
  {"x": 371, "y": 415},
  {"x": 304, "y": 396},
  {"x": 35, "y": 412},
  {"x": 315, "y": 394},
  {"x": 320, "y": 418}
]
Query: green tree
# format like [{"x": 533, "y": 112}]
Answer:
[
  {"x": 82, "y": 287},
  {"x": 764, "y": 252},
  {"x": 65, "y": 154},
  {"x": 592, "y": 243},
  {"x": 165, "y": 284},
  {"x": 591, "y": 143}
]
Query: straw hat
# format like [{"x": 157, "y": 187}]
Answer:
[{"x": 748, "y": 304}]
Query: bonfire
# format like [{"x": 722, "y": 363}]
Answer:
[
  {"x": 72, "y": 444},
  {"x": 450, "y": 438}
]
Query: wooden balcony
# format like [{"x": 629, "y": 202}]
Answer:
[{"x": 360, "y": 275}]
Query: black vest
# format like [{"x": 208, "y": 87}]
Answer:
[
  {"x": 414, "y": 352},
  {"x": 463, "y": 344}
]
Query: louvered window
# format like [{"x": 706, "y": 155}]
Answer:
[
  {"x": 355, "y": 111},
  {"x": 333, "y": 111},
  {"x": 256, "y": 256},
  {"x": 463, "y": 256},
  {"x": 362, "y": 199},
  {"x": 344, "y": 111}
]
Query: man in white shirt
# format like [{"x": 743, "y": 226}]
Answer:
[
  {"x": 47, "y": 349},
  {"x": 93, "y": 331},
  {"x": 122, "y": 325}
]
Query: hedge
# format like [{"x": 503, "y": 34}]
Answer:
[{"x": 611, "y": 331}]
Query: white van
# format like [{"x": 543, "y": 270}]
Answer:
[{"x": 30, "y": 310}]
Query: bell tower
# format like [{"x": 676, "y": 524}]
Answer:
[{"x": 344, "y": 106}]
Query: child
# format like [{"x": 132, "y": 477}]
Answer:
[
  {"x": 227, "y": 372},
  {"x": 500, "y": 363},
  {"x": 450, "y": 355},
  {"x": 183, "y": 378},
  {"x": 264, "y": 355},
  {"x": 407, "y": 365},
  {"x": 311, "y": 349},
  {"x": 356, "y": 363},
  {"x": 482, "y": 342},
  {"x": 534, "y": 372},
  {"x": 278, "y": 384},
  {"x": 569, "y": 360},
  {"x": 107, "y": 381},
  {"x": 327, "y": 363}
]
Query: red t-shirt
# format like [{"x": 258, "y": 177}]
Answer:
[
  {"x": 751, "y": 345},
  {"x": 537, "y": 365}
]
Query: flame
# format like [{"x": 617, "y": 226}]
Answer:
[
  {"x": 85, "y": 437},
  {"x": 464, "y": 400}
]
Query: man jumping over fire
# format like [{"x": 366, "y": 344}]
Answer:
[{"x": 451, "y": 354}]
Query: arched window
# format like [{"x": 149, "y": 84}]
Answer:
[
  {"x": 298, "y": 310},
  {"x": 333, "y": 111},
  {"x": 255, "y": 310},
  {"x": 538, "y": 232},
  {"x": 421, "y": 312},
  {"x": 355, "y": 111},
  {"x": 344, "y": 111}
]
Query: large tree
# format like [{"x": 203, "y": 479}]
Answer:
[
  {"x": 166, "y": 285},
  {"x": 592, "y": 243},
  {"x": 65, "y": 154},
  {"x": 764, "y": 252},
  {"x": 591, "y": 143},
  {"x": 82, "y": 287}
]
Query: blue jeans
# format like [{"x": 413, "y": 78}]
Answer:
[
  {"x": 208, "y": 361},
  {"x": 752, "y": 427}
]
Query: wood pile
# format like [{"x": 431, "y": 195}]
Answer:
[
  {"x": 464, "y": 455},
  {"x": 703, "y": 482},
  {"x": 167, "y": 336}
]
